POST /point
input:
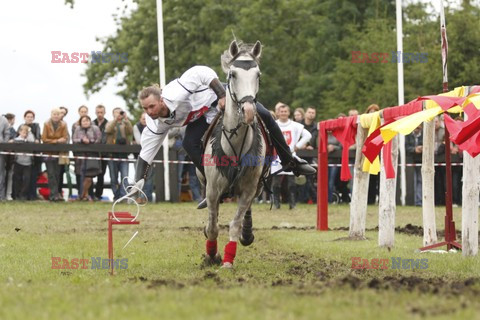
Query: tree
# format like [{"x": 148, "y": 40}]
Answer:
[{"x": 307, "y": 52}]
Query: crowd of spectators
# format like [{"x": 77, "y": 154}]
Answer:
[
  {"x": 22, "y": 176},
  {"x": 20, "y": 173}
]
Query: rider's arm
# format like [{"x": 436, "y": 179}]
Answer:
[
  {"x": 151, "y": 143},
  {"x": 200, "y": 78}
]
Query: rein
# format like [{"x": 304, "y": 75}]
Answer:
[
  {"x": 228, "y": 134},
  {"x": 238, "y": 161},
  {"x": 232, "y": 133}
]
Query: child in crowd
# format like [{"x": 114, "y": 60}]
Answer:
[{"x": 23, "y": 165}]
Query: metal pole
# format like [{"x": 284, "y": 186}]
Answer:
[
  {"x": 161, "y": 65},
  {"x": 449, "y": 226},
  {"x": 401, "y": 143}
]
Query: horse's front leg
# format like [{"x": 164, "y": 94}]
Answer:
[
  {"x": 211, "y": 230},
  {"x": 235, "y": 231}
]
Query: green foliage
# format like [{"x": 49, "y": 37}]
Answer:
[{"x": 307, "y": 52}]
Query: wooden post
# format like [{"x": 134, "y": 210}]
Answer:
[
  {"x": 358, "y": 205},
  {"x": 471, "y": 167},
  {"x": 428, "y": 185},
  {"x": 387, "y": 201}
]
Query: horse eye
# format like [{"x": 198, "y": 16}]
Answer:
[{"x": 234, "y": 75}]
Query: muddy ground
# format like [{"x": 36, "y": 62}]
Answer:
[{"x": 309, "y": 275}]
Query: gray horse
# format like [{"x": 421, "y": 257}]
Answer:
[{"x": 237, "y": 149}]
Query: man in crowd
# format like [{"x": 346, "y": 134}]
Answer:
[
  {"x": 64, "y": 160},
  {"x": 101, "y": 123},
  {"x": 119, "y": 132},
  {"x": 414, "y": 149},
  {"x": 4, "y": 136},
  {"x": 296, "y": 137},
  {"x": 10, "y": 160},
  {"x": 309, "y": 123},
  {"x": 137, "y": 135}
]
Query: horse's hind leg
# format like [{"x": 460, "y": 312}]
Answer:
[
  {"x": 211, "y": 232},
  {"x": 247, "y": 236}
]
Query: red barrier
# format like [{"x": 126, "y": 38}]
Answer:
[
  {"x": 123, "y": 218},
  {"x": 322, "y": 181}
]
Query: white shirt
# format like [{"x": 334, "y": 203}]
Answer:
[
  {"x": 296, "y": 136},
  {"x": 187, "y": 98}
]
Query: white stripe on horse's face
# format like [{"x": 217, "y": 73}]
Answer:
[{"x": 243, "y": 85}]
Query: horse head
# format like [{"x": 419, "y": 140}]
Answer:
[{"x": 241, "y": 64}]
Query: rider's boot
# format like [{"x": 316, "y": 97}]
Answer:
[{"x": 203, "y": 180}]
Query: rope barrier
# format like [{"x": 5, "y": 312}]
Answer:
[
  {"x": 88, "y": 158},
  {"x": 439, "y": 164}
]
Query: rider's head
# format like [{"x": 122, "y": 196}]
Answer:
[{"x": 152, "y": 102}]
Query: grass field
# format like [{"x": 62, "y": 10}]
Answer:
[{"x": 291, "y": 271}]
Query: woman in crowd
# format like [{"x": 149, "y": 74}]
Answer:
[
  {"x": 87, "y": 133},
  {"x": 82, "y": 111},
  {"x": 299, "y": 115},
  {"x": 29, "y": 118}
]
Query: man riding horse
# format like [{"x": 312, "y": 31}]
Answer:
[{"x": 193, "y": 100}]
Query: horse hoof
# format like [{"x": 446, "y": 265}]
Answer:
[
  {"x": 227, "y": 265},
  {"x": 247, "y": 242},
  {"x": 209, "y": 261}
]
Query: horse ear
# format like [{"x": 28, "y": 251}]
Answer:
[
  {"x": 257, "y": 49},
  {"x": 234, "y": 48}
]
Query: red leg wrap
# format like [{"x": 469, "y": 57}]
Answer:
[
  {"x": 212, "y": 248},
  {"x": 230, "y": 251}
]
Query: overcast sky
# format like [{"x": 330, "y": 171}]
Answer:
[{"x": 30, "y": 30}]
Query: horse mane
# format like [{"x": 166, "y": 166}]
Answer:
[{"x": 245, "y": 49}]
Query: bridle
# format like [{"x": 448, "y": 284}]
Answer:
[
  {"x": 234, "y": 98},
  {"x": 238, "y": 103}
]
